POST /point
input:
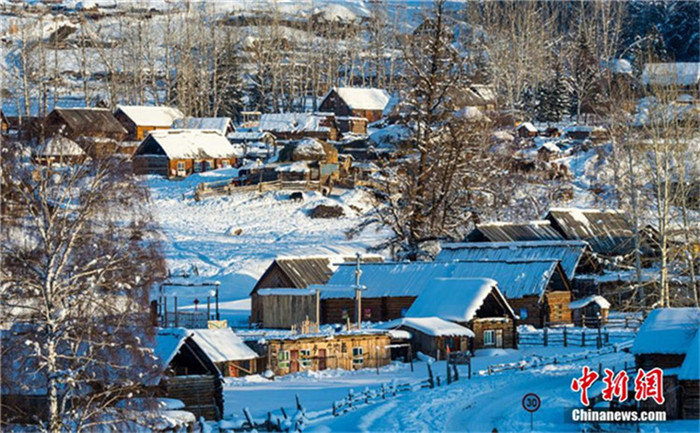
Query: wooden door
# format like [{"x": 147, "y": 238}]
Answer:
[
  {"x": 294, "y": 365},
  {"x": 321, "y": 359},
  {"x": 499, "y": 338}
]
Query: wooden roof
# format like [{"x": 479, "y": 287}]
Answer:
[
  {"x": 608, "y": 232},
  {"x": 514, "y": 232},
  {"x": 89, "y": 121}
]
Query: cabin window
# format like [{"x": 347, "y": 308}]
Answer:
[
  {"x": 344, "y": 314},
  {"x": 489, "y": 337},
  {"x": 181, "y": 166},
  {"x": 197, "y": 167},
  {"x": 283, "y": 359},
  {"x": 358, "y": 357},
  {"x": 367, "y": 313},
  {"x": 208, "y": 165},
  {"x": 305, "y": 360},
  {"x": 523, "y": 313},
  {"x": 225, "y": 163}
]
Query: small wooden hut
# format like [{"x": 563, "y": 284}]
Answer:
[
  {"x": 228, "y": 352},
  {"x": 591, "y": 311},
  {"x": 139, "y": 120},
  {"x": 433, "y": 335},
  {"x": 58, "y": 150},
  {"x": 356, "y": 102}
]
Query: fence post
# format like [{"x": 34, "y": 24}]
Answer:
[
  {"x": 607, "y": 336},
  {"x": 335, "y": 409},
  {"x": 447, "y": 366},
  {"x": 583, "y": 338},
  {"x": 564, "y": 336},
  {"x": 177, "y": 316},
  {"x": 456, "y": 371},
  {"x": 545, "y": 335},
  {"x": 469, "y": 364},
  {"x": 430, "y": 377},
  {"x": 249, "y": 418},
  {"x": 296, "y": 396},
  {"x": 600, "y": 369},
  {"x": 489, "y": 369},
  {"x": 599, "y": 341},
  {"x": 438, "y": 380}
]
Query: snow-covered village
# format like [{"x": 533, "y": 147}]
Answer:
[{"x": 350, "y": 216}]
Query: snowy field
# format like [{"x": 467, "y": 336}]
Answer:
[
  {"x": 200, "y": 237},
  {"x": 475, "y": 405}
]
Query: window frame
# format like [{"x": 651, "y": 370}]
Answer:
[
  {"x": 492, "y": 340},
  {"x": 358, "y": 355},
  {"x": 283, "y": 359},
  {"x": 305, "y": 360}
]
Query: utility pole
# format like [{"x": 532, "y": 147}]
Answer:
[{"x": 358, "y": 292}]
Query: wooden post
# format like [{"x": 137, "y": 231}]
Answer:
[
  {"x": 177, "y": 316},
  {"x": 583, "y": 320},
  {"x": 583, "y": 338},
  {"x": 430, "y": 377},
  {"x": 410, "y": 356},
  {"x": 489, "y": 369},
  {"x": 545, "y": 336},
  {"x": 165, "y": 311},
  {"x": 376, "y": 357},
  {"x": 296, "y": 397},
  {"x": 448, "y": 374},
  {"x": 208, "y": 308},
  {"x": 469, "y": 365},
  {"x": 438, "y": 380},
  {"x": 599, "y": 341},
  {"x": 456, "y": 371},
  {"x": 564, "y": 336},
  {"x": 600, "y": 369}
]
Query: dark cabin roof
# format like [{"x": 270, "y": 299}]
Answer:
[
  {"x": 514, "y": 232},
  {"x": 301, "y": 272},
  {"x": 89, "y": 121},
  {"x": 608, "y": 232}
]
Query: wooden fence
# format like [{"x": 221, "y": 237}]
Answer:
[
  {"x": 594, "y": 337},
  {"x": 228, "y": 187}
]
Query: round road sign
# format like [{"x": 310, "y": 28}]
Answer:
[{"x": 531, "y": 402}]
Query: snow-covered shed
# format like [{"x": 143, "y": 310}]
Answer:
[
  {"x": 472, "y": 302},
  {"x": 569, "y": 253},
  {"x": 230, "y": 354},
  {"x": 500, "y": 231},
  {"x": 681, "y": 75},
  {"x": 591, "y": 311},
  {"x": 181, "y": 152},
  {"x": 186, "y": 372},
  {"x": 668, "y": 339},
  {"x": 139, "y": 120},
  {"x": 58, "y": 149},
  {"x": 432, "y": 335},
  {"x": 223, "y": 125},
  {"x": 368, "y": 103},
  {"x": 526, "y": 130},
  {"x": 537, "y": 289},
  {"x": 294, "y": 126},
  {"x": 293, "y": 273},
  {"x": 83, "y": 122}
]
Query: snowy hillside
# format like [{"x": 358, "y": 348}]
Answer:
[{"x": 201, "y": 237}]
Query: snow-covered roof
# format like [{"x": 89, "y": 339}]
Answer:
[
  {"x": 295, "y": 167},
  {"x": 359, "y": 98},
  {"x": 667, "y": 331},
  {"x": 144, "y": 115},
  {"x": 567, "y": 252},
  {"x": 292, "y": 122},
  {"x": 515, "y": 279},
  {"x": 690, "y": 369},
  {"x": 220, "y": 124},
  {"x": 456, "y": 299},
  {"x": 432, "y": 326},
  {"x": 618, "y": 66},
  {"x": 309, "y": 148},
  {"x": 665, "y": 74},
  {"x": 550, "y": 146},
  {"x": 607, "y": 231},
  {"x": 500, "y": 231},
  {"x": 527, "y": 125},
  {"x": 580, "y": 303},
  {"x": 286, "y": 292},
  {"x": 222, "y": 345},
  {"x": 168, "y": 343},
  {"x": 189, "y": 143},
  {"x": 59, "y": 145}
]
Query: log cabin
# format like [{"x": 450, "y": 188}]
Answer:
[
  {"x": 295, "y": 126},
  {"x": 181, "y": 152},
  {"x": 432, "y": 335},
  {"x": 347, "y": 350},
  {"x": 75, "y": 123},
  {"x": 475, "y": 303},
  {"x": 368, "y": 103},
  {"x": 139, "y": 120},
  {"x": 227, "y": 351},
  {"x": 526, "y": 130},
  {"x": 58, "y": 150},
  {"x": 538, "y": 290},
  {"x": 185, "y": 372},
  {"x": 664, "y": 341},
  {"x": 292, "y": 273},
  {"x": 591, "y": 311},
  {"x": 284, "y": 308}
]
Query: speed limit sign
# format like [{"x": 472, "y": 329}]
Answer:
[{"x": 531, "y": 402}]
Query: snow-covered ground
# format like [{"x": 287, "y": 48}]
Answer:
[
  {"x": 202, "y": 240},
  {"x": 477, "y": 405}
]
